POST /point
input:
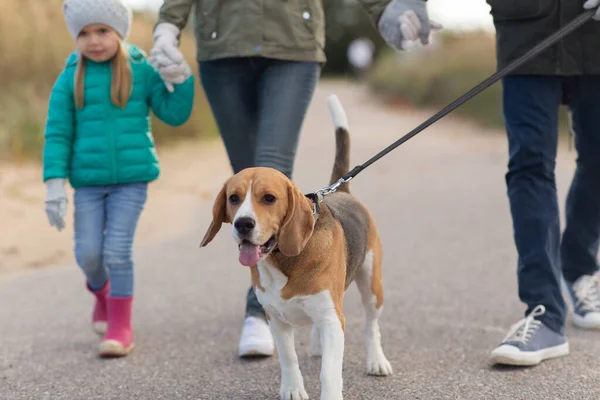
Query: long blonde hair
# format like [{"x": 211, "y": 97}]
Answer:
[{"x": 121, "y": 83}]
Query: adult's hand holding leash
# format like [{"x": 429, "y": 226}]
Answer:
[{"x": 56, "y": 202}]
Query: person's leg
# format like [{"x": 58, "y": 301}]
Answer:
[
  {"x": 579, "y": 248},
  {"x": 253, "y": 307},
  {"x": 286, "y": 90},
  {"x": 531, "y": 105},
  {"x": 124, "y": 206},
  {"x": 231, "y": 87},
  {"x": 89, "y": 238},
  {"x": 256, "y": 338},
  {"x": 531, "y": 110},
  {"x": 89, "y": 222}
]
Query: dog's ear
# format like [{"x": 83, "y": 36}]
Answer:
[
  {"x": 219, "y": 216},
  {"x": 298, "y": 224}
]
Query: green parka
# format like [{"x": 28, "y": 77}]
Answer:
[{"x": 282, "y": 29}]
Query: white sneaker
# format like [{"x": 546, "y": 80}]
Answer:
[
  {"x": 585, "y": 295},
  {"x": 256, "y": 339}
]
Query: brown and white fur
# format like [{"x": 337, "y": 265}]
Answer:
[{"x": 305, "y": 262}]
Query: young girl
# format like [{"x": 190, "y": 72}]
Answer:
[{"x": 98, "y": 136}]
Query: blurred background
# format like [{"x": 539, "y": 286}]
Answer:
[
  {"x": 34, "y": 43},
  {"x": 445, "y": 192}
]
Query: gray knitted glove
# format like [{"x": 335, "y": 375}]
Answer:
[
  {"x": 405, "y": 21},
  {"x": 588, "y": 5},
  {"x": 56, "y": 202},
  {"x": 171, "y": 72},
  {"x": 165, "y": 56}
]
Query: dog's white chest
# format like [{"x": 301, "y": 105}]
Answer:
[{"x": 297, "y": 311}]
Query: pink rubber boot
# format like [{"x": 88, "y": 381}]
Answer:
[
  {"x": 100, "y": 315},
  {"x": 118, "y": 340}
]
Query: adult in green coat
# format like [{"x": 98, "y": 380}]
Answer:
[
  {"x": 567, "y": 73},
  {"x": 259, "y": 64}
]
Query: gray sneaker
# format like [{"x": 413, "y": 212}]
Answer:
[
  {"x": 585, "y": 295},
  {"x": 530, "y": 342}
]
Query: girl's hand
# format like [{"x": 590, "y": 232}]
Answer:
[{"x": 56, "y": 202}]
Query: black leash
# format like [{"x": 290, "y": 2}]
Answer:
[{"x": 543, "y": 45}]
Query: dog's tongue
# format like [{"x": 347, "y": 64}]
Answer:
[{"x": 249, "y": 254}]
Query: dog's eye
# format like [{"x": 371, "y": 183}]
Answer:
[
  {"x": 234, "y": 199},
  {"x": 269, "y": 199}
]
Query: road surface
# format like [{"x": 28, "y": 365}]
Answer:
[{"x": 449, "y": 278}]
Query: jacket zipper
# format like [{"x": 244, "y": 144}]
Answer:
[{"x": 111, "y": 134}]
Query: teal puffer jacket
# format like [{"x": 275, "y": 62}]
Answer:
[{"x": 102, "y": 144}]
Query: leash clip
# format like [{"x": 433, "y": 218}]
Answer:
[
  {"x": 332, "y": 188},
  {"x": 316, "y": 199},
  {"x": 318, "y": 196}
]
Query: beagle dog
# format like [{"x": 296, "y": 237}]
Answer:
[{"x": 302, "y": 261}]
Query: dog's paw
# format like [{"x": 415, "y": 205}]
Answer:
[
  {"x": 292, "y": 385},
  {"x": 379, "y": 366},
  {"x": 293, "y": 393}
]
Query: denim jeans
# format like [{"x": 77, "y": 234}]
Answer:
[
  {"x": 531, "y": 105},
  {"x": 259, "y": 105},
  {"x": 106, "y": 218}
]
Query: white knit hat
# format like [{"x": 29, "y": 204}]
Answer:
[{"x": 113, "y": 13}]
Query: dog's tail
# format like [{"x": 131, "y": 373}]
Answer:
[{"x": 342, "y": 142}]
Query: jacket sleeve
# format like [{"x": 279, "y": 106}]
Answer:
[
  {"x": 60, "y": 129},
  {"x": 375, "y": 8},
  {"x": 173, "y": 108},
  {"x": 176, "y": 12}
]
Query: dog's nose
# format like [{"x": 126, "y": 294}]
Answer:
[{"x": 244, "y": 225}]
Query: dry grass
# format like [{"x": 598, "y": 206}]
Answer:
[
  {"x": 435, "y": 78},
  {"x": 34, "y": 43}
]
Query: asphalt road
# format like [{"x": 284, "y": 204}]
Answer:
[{"x": 449, "y": 277}]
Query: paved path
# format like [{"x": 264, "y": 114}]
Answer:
[{"x": 449, "y": 274}]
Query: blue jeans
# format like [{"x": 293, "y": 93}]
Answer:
[
  {"x": 259, "y": 105},
  {"x": 106, "y": 218},
  {"x": 531, "y": 105}
]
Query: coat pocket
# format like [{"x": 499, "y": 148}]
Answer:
[
  {"x": 515, "y": 10},
  {"x": 302, "y": 19},
  {"x": 293, "y": 24}
]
